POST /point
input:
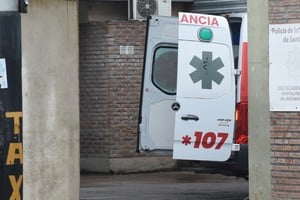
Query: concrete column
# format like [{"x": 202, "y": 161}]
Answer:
[
  {"x": 259, "y": 126},
  {"x": 50, "y": 72}
]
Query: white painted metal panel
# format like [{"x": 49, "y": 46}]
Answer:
[
  {"x": 157, "y": 119},
  {"x": 218, "y": 6},
  {"x": 204, "y": 124}
]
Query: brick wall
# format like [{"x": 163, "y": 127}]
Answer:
[
  {"x": 285, "y": 126},
  {"x": 110, "y": 86},
  {"x": 93, "y": 90},
  {"x": 285, "y": 156}
]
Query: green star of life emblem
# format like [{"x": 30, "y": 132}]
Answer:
[{"x": 206, "y": 70}]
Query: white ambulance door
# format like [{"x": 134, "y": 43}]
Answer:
[
  {"x": 204, "y": 124},
  {"x": 157, "y": 118}
]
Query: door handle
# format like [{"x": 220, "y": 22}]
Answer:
[{"x": 190, "y": 117}]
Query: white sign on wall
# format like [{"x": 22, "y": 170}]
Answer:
[
  {"x": 126, "y": 50},
  {"x": 284, "y": 80},
  {"x": 3, "y": 74}
]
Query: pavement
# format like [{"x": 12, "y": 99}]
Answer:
[{"x": 174, "y": 185}]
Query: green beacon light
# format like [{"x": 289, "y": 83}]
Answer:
[{"x": 205, "y": 34}]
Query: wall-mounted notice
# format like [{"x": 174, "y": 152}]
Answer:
[
  {"x": 126, "y": 50},
  {"x": 3, "y": 74},
  {"x": 284, "y": 80}
]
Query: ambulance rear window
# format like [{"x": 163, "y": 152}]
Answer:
[{"x": 164, "y": 70}]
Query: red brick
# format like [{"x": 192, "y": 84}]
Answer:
[{"x": 110, "y": 87}]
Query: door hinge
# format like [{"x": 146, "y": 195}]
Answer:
[
  {"x": 237, "y": 72},
  {"x": 236, "y": 147}
]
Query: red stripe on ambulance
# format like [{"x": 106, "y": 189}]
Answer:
[{"x": 244, "y": 75}]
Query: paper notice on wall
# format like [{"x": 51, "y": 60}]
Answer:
[
  {"x": 128, "y": 50},
  {"x": 284, "y": 81},
  {"x": 3, "y": 74}
]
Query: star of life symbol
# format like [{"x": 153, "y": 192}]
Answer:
[
  {"x": 186, "y": 140},
  {"x": 206, "y": 70}
]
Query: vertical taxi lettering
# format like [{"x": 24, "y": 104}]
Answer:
[
  {"x": 16, "y": 120},
  {"x": 16, "y": 185},
  {"x": 14, "y": 154}
]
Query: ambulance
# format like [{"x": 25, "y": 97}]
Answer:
[{"x": 194, "y": 97}]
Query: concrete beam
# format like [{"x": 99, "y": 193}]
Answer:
[
  {"x": 259, "y": 125},
  {"x": 50, "y": 72}
]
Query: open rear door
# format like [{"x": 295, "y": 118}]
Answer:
[
  {"x": 204, "y": 123},
  {"x": 157, "y": 117}
]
